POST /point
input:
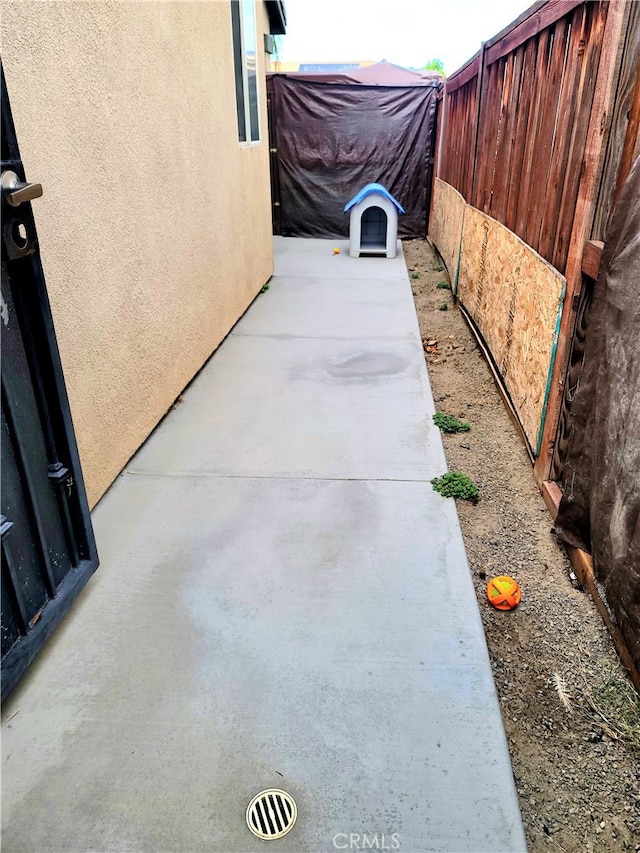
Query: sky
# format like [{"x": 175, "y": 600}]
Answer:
[{"x": 407, "y": 32}]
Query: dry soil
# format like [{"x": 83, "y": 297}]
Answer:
[{"x": 571, "y": 717}]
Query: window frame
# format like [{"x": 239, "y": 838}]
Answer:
[{"x": 240, "y": 44}]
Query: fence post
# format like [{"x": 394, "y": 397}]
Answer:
[
  {"x": 440, "y": 130},
  {"x": 631, "y": 146},
  {"x": 476, "y": 132}
]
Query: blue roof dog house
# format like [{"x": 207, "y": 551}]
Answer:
[{"x": 373, "y": 227}]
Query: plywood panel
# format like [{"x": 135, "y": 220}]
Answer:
[
  {"x": 514, "y": 296},
  {"x": 445, "y": 225}
]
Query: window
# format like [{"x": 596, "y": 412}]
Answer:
[{"x": 245, "y": 58}]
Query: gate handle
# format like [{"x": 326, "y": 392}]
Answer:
[{"x": 16, "y": 191}]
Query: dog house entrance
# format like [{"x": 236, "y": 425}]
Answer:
[
  {"x": 373, "y": 224},
  {"x": 373, "y": 230}
]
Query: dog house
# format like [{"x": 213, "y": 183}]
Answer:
[{"x": 373, "y": 227}]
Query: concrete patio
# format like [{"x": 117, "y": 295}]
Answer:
[{"x": 283, "y": 601}]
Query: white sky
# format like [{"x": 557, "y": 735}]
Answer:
[{"x": 407, "y": 32}]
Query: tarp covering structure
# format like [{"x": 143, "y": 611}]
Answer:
[
  {"x": 600, "y": 509},
  {"x": 379, "y": 74},
  {"x": 334, "y": 137}
]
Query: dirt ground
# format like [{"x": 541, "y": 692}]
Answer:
[{"x": 571, "y": 717}]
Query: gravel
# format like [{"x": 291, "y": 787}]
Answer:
[{"x": 571, "y": 717}]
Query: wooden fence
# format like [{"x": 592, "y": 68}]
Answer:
[
  {"x": 531, "y": 131},
  {"x": 537, "y": 133},
  {"x": 516, "y": 123}
]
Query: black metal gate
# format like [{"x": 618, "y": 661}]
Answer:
[
  {"x": 48, "y": 548},
  {"x": 274, "y": 167}
]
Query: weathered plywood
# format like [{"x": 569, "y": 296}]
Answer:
[
  {"x": 445, "y": 225},
  {"x": 514, "y": 297}
]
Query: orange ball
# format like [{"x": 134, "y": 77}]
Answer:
[
  {"x": 336, "y": 251},
  {"x": 504, "y": 592}
]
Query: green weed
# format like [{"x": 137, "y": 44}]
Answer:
[
  {"x": 449, "y": 423},
  {"x": 443, "y": 285},
  {"x": 454, "y": 484}
]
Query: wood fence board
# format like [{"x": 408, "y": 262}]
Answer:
[
  {"x": 459, "y": 149},
  {"x": 445, "y": 225},
  {"x": 501, "y": 118},
  {"x": 522, "y": 117},
  {"x": 495, "y": 111},
  {"x": 468, "y": 71},
  {"x": 439, "y": 120},
  {"x": 507, "y": 134},
  {"x": 529, "y": 170},
  {"x": 523, "y": 16},
  {"x": 518, "y": 117},
  {"x": 546, "y": 16},
  {"x": 568, "y": 201},
  {"x": 592, "y": 258},
  {"x": 631, "y": 147},
  {"x": 451, "y": 121},
  {"x": 527, "y": 29},
  {"x": 469, "y": 135},
  {"x": 514, "y": 296},
  {"x": 622, "y": 114},
  {"x": 477, "y": 103},
  {"x": 565, "y": 131},
  {"x": 546, "y": 133},
  {"x": 489, "y": 119},
  {"x": 458, "y": 162},
  {"x": 480, "y": 165}
]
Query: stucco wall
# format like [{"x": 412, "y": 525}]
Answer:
[{"x": 155, "y": 225}]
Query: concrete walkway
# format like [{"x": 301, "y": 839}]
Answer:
[{"x": 283, "y": 601}]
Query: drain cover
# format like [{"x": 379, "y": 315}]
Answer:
[{"x": 271, "y": 814}]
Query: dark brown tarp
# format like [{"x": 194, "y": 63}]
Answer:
[
  {"x": 600, "y": 510},
  {"x": 334, "y": 138}
]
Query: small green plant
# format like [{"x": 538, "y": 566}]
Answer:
[
  {"x": 435, "y": 65},
  {"x": 438, "y": 266},
  {"x": 454, "y": 484},
  {"x": 415, "y": 275},
  {"x": 444, "y": 306},
  {"x": 443, "y": 285},
  {"x": 450, "y": 423},
  {"x": 265, "y": 287}
]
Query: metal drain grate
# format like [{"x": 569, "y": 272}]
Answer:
[{"x": 271, "y": 814}]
